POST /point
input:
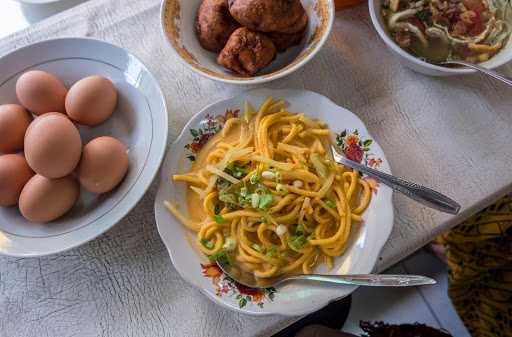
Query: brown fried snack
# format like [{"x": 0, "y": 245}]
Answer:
[
  {"x": 246, "y": 52},
  {"x": 285, "y": 16},
  {"x": 283, "y": 41},
  {"x": 214, "y": 24}
]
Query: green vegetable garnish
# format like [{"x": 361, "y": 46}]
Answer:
[
  {"x": 299, "y": 230},
  {"x": 221, "y": 256},
  {"x": 265, "y": 201},
  {"x": 219, "y": 219},
  {"x": 230, "y": 244},
  {"x": 244, "y": 191},
  {"x": 279, "y": 177},
  {"x": 207, "y": 244},
  {"x": 298, "y": 241},
  {"x": 229, "y": 198},
  {"x": 281, "y": 189},
  {"x": 257, "y": 247},
  {"x": 235, "y": 170},
  {"x": 255, "y": 178},
  {"x": 330, "y": 203},
  {"x": 272, "y": 252}
]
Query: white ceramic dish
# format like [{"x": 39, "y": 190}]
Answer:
[
  {"x": 178, "y": 22},
  {"x": 294, "y": 299},
  {"x": 414, "y": 63},
  {"x": 140, "y": 122}
]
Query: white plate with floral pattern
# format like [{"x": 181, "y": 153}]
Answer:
[{"x": 292, "y": 299}]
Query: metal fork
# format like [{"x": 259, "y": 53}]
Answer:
[{"x": 421, "y": 194}]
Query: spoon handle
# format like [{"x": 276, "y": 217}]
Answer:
[
  {"x": 422, "y": 194},
  {"x": 372, "y": 280},
  {"x": 484, "y": 70}
]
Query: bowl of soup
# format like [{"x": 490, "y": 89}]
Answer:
[{"x": 426, "y": 32}]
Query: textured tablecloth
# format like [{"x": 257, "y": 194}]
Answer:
[{"x": 452, "y": 134}]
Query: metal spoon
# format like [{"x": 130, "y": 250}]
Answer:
[
  {"x": 373, "y": 280},
  {"x": 423, "y": 195},
  {"x": 479, "y": 68}
]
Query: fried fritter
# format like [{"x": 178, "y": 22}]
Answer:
[
  {"x": 285, "y": 16},
  {"x": 246, "y": 52},
  {"x": 283, "y": 41},
  {"x": 214, "y": 24}
]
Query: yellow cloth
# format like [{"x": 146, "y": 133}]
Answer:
[{"x": 479, "y": 253}]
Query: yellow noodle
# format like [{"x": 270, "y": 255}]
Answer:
[{"x": 308, "y": 218}]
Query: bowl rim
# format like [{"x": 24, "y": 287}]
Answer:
[
  {"x": 258, "y": 79},
  {"x": 391, "y": 44},
  {"x": 117, "y": 213}
]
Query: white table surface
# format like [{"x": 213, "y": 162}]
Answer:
[{"x": 452, "y": 134}]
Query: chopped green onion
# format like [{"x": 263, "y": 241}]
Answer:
[
  {"x": 264, "y": 219},
  {"x": 220, "y": 256},
  {"x": 229, "y": 198},
  {"x": 255, "y": 178},
  {"x": 299, "y": 230},
  {"x": 219, "y": 219},
  {"x": 272, "y": 252},
  {"x": 257, "y": 247},
  {"x": 298, "y": 242},
  {"x": 255, "y": 200},
  {"x": 281, "y": 189},
  {"x": 330, "y": 203},
  {"x": 279, "y": 177},
  {"x": 235, "y": 171},
  {"x": 244, "y": 191},
  {"x": 230, "y": 244},
  {"x": 239, "y": 172},
  {"x": 265, "y": 201},
  {"x": 207, "y": 244},
  {"x": 260, "y": 190}
]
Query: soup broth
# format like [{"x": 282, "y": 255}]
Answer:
[{"x": 440, "y": 30}]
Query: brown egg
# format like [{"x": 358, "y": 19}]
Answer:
[
  {"x": 41, "y": 92},
  {"x": 44, "y": 200},
  {"x": 103, "y": 165},
  {"x": 53, "y": 145},
  {"x": 14, "y": 121},
  {"x": 91, "y": 100},
  {"x": 14, "y": 174}
]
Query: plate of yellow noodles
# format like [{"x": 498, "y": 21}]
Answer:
[{"x": 251, "y": 180}]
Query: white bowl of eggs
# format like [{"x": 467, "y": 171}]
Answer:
[{"x": 83, "y": 129}]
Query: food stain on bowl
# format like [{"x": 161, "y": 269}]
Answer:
[{"x": 178, "y": 24}]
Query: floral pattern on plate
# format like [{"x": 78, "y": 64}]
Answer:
[
  {"x": 208, "y": 128},
  {"x": 225, "y": 285},
  {"x": 357, "y": 149}
]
